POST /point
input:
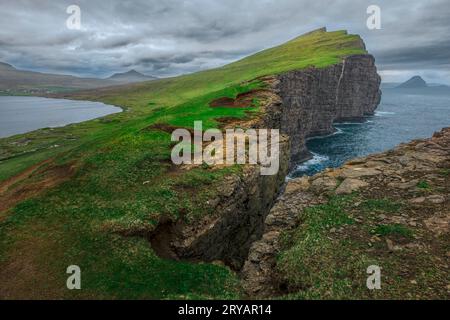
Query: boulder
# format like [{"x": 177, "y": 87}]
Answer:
[
  {"x": 350, "y": 185},
  {"x": 357, "y": 172},
  {"x": 323, "y": 184}
]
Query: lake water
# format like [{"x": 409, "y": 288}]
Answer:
[
  {"x": 24, "y": 114},
  {"x": 399, "y": 118}
]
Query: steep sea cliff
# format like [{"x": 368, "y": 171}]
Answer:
[
  {"x": 389, "y": 210},
  {"x": 313, "y": 99},
  {"x": 301, "y": 104}
]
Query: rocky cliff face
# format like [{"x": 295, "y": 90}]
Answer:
[
  {"x": 301, "y": 104},
  {"x": 237, "y": 220},
  {"x": 313, "y": 99},
  {"x": 391, "y": 209}
]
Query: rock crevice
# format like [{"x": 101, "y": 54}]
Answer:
[
  {"x": 412, "y": 179},
  {"x": 300, "y": 104}
]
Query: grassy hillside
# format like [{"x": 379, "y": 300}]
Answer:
[
  {"x": 20, "y": 82},
  {"x": 113, "y": 176}
]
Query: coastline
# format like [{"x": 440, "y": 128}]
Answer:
[{"x": 383, "y": 209}]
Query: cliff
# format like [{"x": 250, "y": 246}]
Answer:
[
  {"x": 123, "y": 183},
  {"x": 300, "y": 103},
  {"x": 236, "y": 220},
  {"x": 314, "y": 99},
  {"x": 389, "y": 210}
]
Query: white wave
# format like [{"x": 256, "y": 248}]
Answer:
[
  {"x": 317, "y": 158},
  {"x": 383, "y": 113},
  {"x": 338, "y": 131},
  {"x": 352, "y": 123}
]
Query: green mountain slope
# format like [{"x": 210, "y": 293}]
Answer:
[
  {"x": 317, "y": 49},
  {"x": 110, "y": 180}
]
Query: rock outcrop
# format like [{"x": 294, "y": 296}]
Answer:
[
  {"x": 236, "y": 221},
  {"x": 403, "y": 189},
  {"x": 300, "y": 103},
  {"x": 314, "y": 99}
]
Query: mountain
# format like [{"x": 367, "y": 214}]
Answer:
[
  {"x": 124, "y": 161},
  {"x": 15, "y": 81},
  {"x": 414, "y": 82},
  {"x": 5, "y": 66},
  {"x": 130, "y": 77},
  {"x": 417, "y": 85}
]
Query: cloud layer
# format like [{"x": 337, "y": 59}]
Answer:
[{"x": 171, "y": 37}]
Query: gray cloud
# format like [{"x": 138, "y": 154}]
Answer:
[
  {"x": 428, "y": 55},
  {"x": 177, "y": 36}
]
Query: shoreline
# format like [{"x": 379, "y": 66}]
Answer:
[
  {"x": 382, "y": 209},
  {"x": 103, "y": 105}
]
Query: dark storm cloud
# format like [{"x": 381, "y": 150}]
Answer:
[
  {"x": 432, "y": 55},
  {"x": 178, "y": 36}
]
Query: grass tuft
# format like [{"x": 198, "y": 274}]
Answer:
[{"x": 394, "y": 229}]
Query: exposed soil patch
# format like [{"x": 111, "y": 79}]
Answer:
[
  {"x": 4, "y": 186},
  {"x": 166, "y": 128},
  {"x": 33, "y": 182},
  {"x": 161, "y": 239},
  {"x": 243, "y": 100}
]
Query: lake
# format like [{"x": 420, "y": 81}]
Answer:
[
  {"x": 24, "y": 114},
  {"x": 399, "y": 118}
]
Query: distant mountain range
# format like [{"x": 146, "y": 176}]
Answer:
[
  {"x": 417, "y": 85},
  {"x": 15, "y": 81},
  {"x": 130, "y": 76}
]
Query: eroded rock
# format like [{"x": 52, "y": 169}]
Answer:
[{"x": 350, "y": 185}]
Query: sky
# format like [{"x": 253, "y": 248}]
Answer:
[{"x": 172, "y": 37}]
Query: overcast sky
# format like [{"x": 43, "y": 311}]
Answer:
[{"x": 171, "y": 37}]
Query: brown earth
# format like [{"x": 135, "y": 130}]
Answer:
[
  {"x": 32, "y": 182},
  {"x": 242, "y": 100}
]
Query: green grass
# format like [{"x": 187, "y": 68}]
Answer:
[
  {"x": 424, "y": 185},
  {"x": 76, "y": 222},
  {"x": 326, "y": 256},
  {"x": 383, "y": 205},
  {"x": 394, "y": 229},
  {"x": 311, "y": 262}
]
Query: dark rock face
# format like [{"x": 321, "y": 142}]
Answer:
[
  {"x": 236, "y": 222},
  {"x": 239, "y": 216},
  {"x": 395, "y": 175},
  {"x": 313, "y": 99},
  {"x": 301, "y": 104}
]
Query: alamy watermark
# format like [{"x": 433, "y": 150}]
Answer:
[
  {"x": 73, "y": 22},
  {"x": 235, "y": 146},
  {"x": 374, "y": 279},
  {"x": 74, "y": 280},
  {"x": 374, "y": 19}
]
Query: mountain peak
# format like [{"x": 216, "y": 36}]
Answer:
[
  {"x": 130, "y": 76},
  {"x": 6, "y": 66},
  {"x": 414, "y": 82},
  {"x": 132, "y": 71}
]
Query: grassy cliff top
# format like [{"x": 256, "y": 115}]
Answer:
[
  {"x": 318, "y": 48},
  {"x": 115, "y": 174}
]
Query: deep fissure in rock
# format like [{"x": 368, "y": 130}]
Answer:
[{"x": 310, "y": 101}]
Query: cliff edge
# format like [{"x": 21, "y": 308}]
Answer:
[
  {"x": 388, "y": 211},
  {"x": 314, "y": 99},
  {"x": 300, "y": 103}
]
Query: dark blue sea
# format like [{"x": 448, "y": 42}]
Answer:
[{"x": 401, "y": 117}]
